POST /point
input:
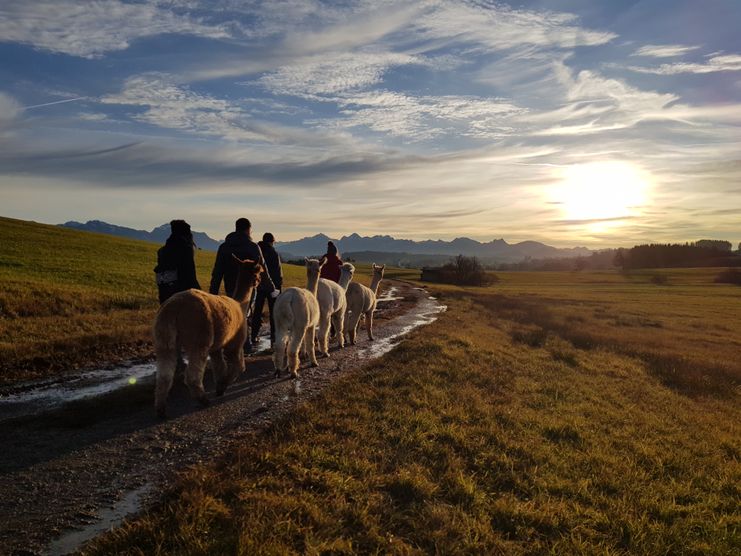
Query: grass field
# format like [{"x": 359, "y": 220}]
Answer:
[
  {"x": 593, "y": 413},
  {"x": 70, "y": 298}
]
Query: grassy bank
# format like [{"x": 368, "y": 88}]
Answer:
[
  {"x": 493, "y": 430},
  {"x": 69, "y": 298}
]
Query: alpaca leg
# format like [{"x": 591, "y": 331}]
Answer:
[
  {"x": 310, "y": 333},
  {"x": 194, "y": 375},
  {"x": 294, "y": 344},
  {"x": 165, "y": 373},
  {"x": 234, "y": 367},
  {"x": 369, "y": 324},
  {"x": 279, "y": 351},
  {"x": 218, "y": 366},
  {"x": 352, "y": 328},
  {"x": 338, "y": 320},
  {"x": 324, "y": 336}
]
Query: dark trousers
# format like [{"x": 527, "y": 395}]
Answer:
[{"x": 260, "y": 299}]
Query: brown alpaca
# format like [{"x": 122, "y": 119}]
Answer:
[{"x": 203, "y": 324}]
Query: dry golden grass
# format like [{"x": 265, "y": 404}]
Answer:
[{"x": 469, "y": 438}]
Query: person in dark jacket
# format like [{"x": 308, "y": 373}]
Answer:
[
  {"x": 331, "y": 268},
  {"x": 272, "y": 273},
  {"x": 238, "y": 243},
  {"x": 176, "y": 266}
]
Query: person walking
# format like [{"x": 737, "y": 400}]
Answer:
[
  {"x": 176, "y": 265},
  {"x": 238, "y": 243},
  {"x": 332, "y": 263},
  {"x": 274, "y": 274}
]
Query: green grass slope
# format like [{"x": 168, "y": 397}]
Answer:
[{"x": 69, "y": 298}]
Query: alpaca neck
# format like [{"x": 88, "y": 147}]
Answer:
[
  {"x": 312, "y": 283},
  {"x": 374, "y": 284},
  {"x": 243, "y": 292},
  {"x": 345, "y": 280}
]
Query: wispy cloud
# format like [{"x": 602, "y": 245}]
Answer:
[
  {"x": 664, "y": 51},
  {"x": 727, "y": 62},
  {"x": 89, "y": 29}
]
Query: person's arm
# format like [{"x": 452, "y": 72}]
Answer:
[
  {"x": 279, "y": 281},
  {"x": 261, "y": 260},
  {"x": 218, "y": 272}
]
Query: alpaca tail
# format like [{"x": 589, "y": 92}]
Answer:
[{"x": 166, "y": 351}]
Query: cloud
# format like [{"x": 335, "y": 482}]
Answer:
[
  {"x": 90, "y": 29},
  {"x": 728, "y": 62},
  {"x": 663, "y": 51},
  {"x": 329, "y": 75},
  {"x": 9, "y": 109},
  {"x": 146, "y": 165},
  {"x": 498, "y": 27},
  {"x": 168, "y": 105},
  {"x": 424, "y": 117}
]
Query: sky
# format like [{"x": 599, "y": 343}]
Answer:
[{"x": 571, "y": 122}]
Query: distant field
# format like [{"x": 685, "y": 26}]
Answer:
[
  {"x": 69, "y": 298},
  {"x": 569, "y": 413}
]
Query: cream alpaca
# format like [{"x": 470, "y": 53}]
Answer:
[
  {"x": 332, "y": 305},
  {"x": 361, "y": 300},
  {"x": 202, "y": 324},
  {"x": 296, "y": 315}
]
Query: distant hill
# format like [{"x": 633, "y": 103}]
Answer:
[
  {"x": 157, "y": 235},
  {"x": 497, "y": 250}
]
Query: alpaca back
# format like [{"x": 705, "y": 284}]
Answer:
[
  {"x": 194, "y": 317},
  {"x": 331, "y": 297},
  {"x": 360, "y": 298},
  {"x": 296, "y": 308}
]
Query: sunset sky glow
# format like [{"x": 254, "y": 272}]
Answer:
[{"x": 571, "y": 122}]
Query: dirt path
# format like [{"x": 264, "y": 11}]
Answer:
[{"x": 88, "y": 462}]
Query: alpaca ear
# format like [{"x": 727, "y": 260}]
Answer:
[{"x": 306, "y": 259}]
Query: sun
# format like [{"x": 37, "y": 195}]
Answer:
[{"x": 601, "y": 191}]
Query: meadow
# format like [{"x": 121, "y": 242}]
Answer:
[
  {"x": 565, "y": 413},
  {"x": 575, "y": 412}
]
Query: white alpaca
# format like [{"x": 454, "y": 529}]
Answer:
[
  {"x": 361, "y": 300},
  {"x": 296, "y": 314},
  {"x": 332, "y": 305}
]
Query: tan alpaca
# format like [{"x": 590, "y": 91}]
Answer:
[
  {"x": 361, "y": 300},
  {"x": 296, "y": 315},
  {"x": 332, "y": 305},
  {"x": 202, "y": 324}
]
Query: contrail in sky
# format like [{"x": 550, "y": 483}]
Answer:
[{"x": 52, "y": 103}]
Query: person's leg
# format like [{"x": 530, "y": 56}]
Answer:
[{"x": 257, "y": 314}]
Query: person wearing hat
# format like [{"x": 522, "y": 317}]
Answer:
[
  {"x": 273, "y": 273},
  {"x": 176, "y": 266},
  {"x": 332, "y": 263}
]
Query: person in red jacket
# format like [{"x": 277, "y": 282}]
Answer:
[{"x": 332, "y": 263}]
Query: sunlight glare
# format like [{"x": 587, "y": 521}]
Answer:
[{"x": 601, "y": 190}]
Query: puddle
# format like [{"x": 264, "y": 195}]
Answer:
[
  {"x": 45, "y": 396},
  {"x": 427, "y": 312},
  {"x": 390, "y": 295},
  {"x": 107, "y": 520},
  {"x": 38, "y": 397}
]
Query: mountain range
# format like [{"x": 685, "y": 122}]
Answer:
[
  {"x": 157, "y": 235},
  {"x": 496, "y": 250},
  {"x": 359, "y": 246}
]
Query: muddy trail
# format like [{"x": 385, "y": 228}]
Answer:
[{"x": 83, "y": 451}]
